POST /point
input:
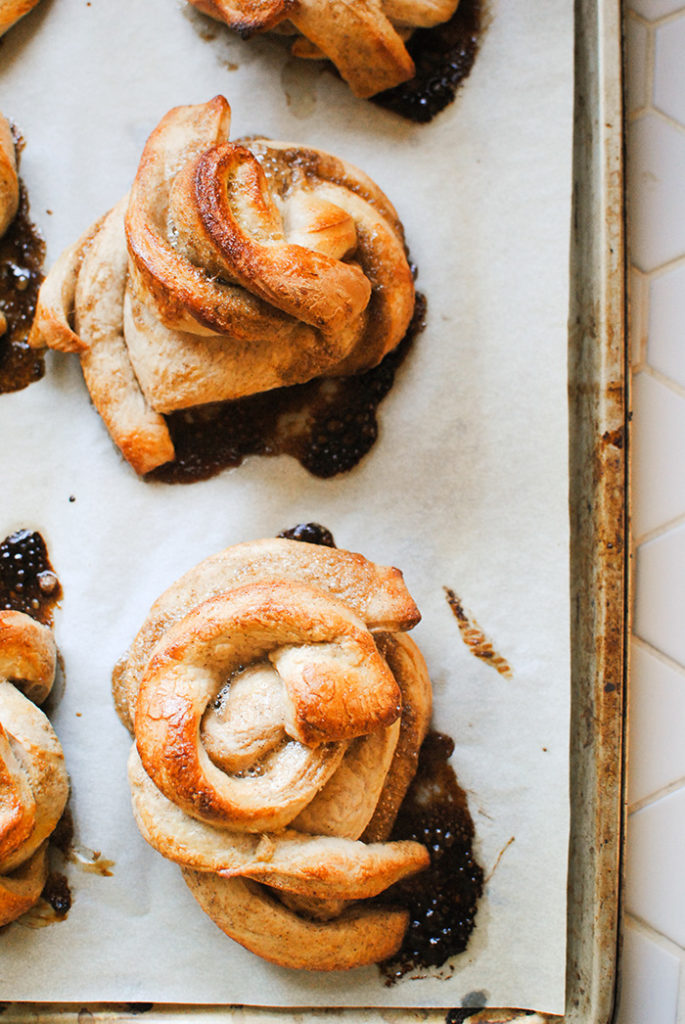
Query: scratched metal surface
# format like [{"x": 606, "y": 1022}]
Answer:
[{"x": 598, "y": 461}]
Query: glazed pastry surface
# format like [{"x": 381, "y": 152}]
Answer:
[
  {"x": 33, "y": 779},
  {"x": 230, "y": 269},
  {"x": 278, "y": 708}
]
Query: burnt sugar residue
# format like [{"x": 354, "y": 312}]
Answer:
[
  {"x": 328, "y": 424},
  {"x": 442, "y": 900},
  {"x": 56, "y": 898},
  {"x": 310, "y": 533},
  {"x": 28, "y": 583},
  {"x": 443, "y": 56},
  {"x": 90, "y": 861},
  {"x": 474, "y": 637},
  {"x": 22, "y": 251}
]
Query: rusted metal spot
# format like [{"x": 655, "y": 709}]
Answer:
[{"x": 614, "y": 437}]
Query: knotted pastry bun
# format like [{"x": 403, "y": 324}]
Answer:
[
  {"x": 33, "y": 779},
  {"x": 12, "y": 10},
  {"x": 365, "y": 39},
  {"x": 230, "y": 269},
  {"x": 278, "y": 708}
]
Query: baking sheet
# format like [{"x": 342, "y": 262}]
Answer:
[{"x": 466, "y": 487}]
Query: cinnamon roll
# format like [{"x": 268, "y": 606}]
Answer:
[
  {"x": 278, "y": 707},
  {"x": 365, "y": 39},
  {"x": 230, "y": 269},
  {"x": 33, "y": 779}
]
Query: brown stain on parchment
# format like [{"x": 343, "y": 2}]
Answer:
[{"x": 474, "y": 637}]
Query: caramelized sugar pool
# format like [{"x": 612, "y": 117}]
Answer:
[
  {"x": 328, "y": 424},
  {"x": 21, "y": 263},
  {"x": 443, "y": 899},
  {"x": 443, "y": 56},
  {"x": 28, "y": 582}
]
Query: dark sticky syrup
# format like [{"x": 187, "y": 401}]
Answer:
[
  {"x": 442, "y": 900},
  {"x": 310, "y": 533},
  {"x": 28, "y": 582},
  {"x": 57, "y": 894},
  {"x": 62, "y": 838},
  {"x": 22, "y": 251},
  {"x": 443, "y": 56},
  {"x": 328, "y": 424}
]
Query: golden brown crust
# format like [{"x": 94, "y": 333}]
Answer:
[
  {"x": 231, "y": 269},
  {"x": 33, "y": 779},
  {"x": 266, "y": 719},
  {"x": 9, "y": 182},
  {"x": 28, "y": 656},
  {"x": 21, "y": 889},
  {"x": 364, "y": 39},
  {"x": 12, "y": 10},
  {"x": 248, "y": 16},
  {"x": 227, "y": 221}
]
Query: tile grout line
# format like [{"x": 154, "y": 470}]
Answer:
[
  {"x": 662, "y": 378},
  {"x": 659, "y": 655},
  {"x": 658, "y": 531},
  {"x": 646, "y": 801},
  {"x": 663, "y": 268},
  {"x": 647, "y": 928},
  {"x": 648, "y": 931}
]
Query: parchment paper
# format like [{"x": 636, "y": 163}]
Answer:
[{"x": 466, "y": 487}]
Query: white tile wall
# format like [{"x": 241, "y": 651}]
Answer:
[{"x": 652, "y": 988}]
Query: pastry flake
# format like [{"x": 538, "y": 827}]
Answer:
[
  {"x": 277, "y": 707},
  {"x": 231, "y": 269},
  {"x": 33, "y": 780}
]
